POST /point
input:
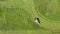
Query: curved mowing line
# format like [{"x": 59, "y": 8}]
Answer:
[
  {"x": 45, "y": 17},
  {"x": 38, "y": 13},
  {"x": 39, "y": 16}
]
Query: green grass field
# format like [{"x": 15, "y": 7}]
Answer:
[{"x": 17, "y": 16}]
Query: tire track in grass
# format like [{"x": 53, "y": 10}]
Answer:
[
  {"x": 43, "y": 21},
  {"x": 49, "y": 22}
]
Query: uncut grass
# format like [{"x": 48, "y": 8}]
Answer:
[{"x": 15, "y": 18}]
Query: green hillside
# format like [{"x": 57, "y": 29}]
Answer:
[{"x": 17, "y": 16}]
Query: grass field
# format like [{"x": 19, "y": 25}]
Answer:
[{"x": 17, "y": 16}]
